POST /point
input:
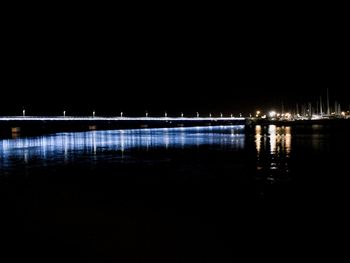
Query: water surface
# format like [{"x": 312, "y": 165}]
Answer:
[{"x": 202, "y": 194}]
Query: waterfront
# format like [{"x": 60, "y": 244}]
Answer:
[{"x": 202, "y": 194}]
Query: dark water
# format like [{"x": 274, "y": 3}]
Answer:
[{"x": 206, "y": 194}]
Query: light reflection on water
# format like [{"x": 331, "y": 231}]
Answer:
[
  {"x": 63, "y": 146},
  {"x": 273, "y": 146},
  {"x": 276, "y": 139}
]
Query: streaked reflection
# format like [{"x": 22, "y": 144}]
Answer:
[
  {"x": 273, "y": 147},
  {"x": 66, "y": 146},
  {"x": 273, "y": 138},
  {"x": 280, "y": 139},
  {"x": 288, "y": 140},
  {"x": 258, "y": 137}
]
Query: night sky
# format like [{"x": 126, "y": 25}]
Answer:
[{"x": 186, "y": 63}]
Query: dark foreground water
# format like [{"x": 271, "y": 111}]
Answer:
[{"x": 209, "y": 194}]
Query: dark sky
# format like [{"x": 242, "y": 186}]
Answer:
[{"x": 189, "y": 62}]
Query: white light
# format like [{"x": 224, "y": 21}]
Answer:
[
  {"x": 272, "y": 114},
  {"x": 72, "y": 118}
]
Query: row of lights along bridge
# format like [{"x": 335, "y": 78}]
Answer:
[{"x": 147, "y": 114}]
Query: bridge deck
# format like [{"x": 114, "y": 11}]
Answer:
[{"x": 58, "y": 118}]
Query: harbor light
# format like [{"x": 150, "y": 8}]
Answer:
[
  {"x": 272, "y": 114},
  {"x": 258, "y": 113}
]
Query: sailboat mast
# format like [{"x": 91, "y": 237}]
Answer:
[
  {"x": 328, "y": 107},
  {"x": 297, "y": 107}
]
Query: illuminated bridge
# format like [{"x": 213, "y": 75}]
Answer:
[{"x": 38, "y": 124}]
